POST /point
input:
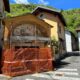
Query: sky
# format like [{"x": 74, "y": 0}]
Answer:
[{"x": 59, "y": 4}]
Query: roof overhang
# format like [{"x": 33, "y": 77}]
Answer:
[
  {"x": 28, "y": 18},
  {"x": 33, "y": 18},
  {"x": 40, "y": 9}
]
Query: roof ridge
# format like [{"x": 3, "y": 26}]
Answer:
[{"x": 43, "y": 7}]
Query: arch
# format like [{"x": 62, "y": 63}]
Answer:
[{"x": 27, "y": 26}]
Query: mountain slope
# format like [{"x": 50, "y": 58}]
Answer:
[
  {"x": 72, "y": 17},
  {"x": 19, "y": 9}
]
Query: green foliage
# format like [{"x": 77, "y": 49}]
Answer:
[
  {"x": 19, "y": 9},
  {"x": 54, "y": 43},
  {"x": 72, "y": 17}
]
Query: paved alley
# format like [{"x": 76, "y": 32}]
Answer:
[{"x": 68, "y": 69}]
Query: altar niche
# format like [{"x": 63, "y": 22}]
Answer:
[
  {"x": 29, "y": 36},
  {"x": 26, "y": 46}
]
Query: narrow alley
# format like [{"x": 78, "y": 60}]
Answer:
[{"x": 68, "y": 69}]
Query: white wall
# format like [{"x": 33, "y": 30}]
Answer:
[{"x": 68, "y": 41}]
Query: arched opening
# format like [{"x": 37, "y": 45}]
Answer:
[
  {"x": 28, "y": 48},
  {"x": 29, "y": 36}
]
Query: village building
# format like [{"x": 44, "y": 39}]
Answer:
[
  {"x": 28, "y": 27},
  {"x": 27, "y": 45},
  {"x": 71, "y": 41},
  {"x": 55, "y": 19},
  {"x": 4, "y": 6}
]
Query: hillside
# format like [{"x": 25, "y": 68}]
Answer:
[
  {"x": 72, "y": 17},
  {"x": 19, "y": 9}
]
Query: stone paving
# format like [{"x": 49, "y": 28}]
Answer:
[{"x": 68, "y": 69}]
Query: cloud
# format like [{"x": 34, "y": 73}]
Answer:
[
  {"x": 43, "y": 2},
  {"x": 22, "y": 1}
]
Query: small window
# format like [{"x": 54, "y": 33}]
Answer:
[{"x": 41, "y": 16}]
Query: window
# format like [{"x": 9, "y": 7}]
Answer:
[{"x": 41, "y": 16}]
